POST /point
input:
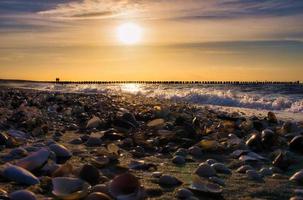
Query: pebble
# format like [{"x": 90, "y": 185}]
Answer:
[
  {"x": 94, "y": 122},
  {"x": 22, "y": 195},
  {"x": 183, "y": 193},
  {"x": 60, "y": 151},
  {"x": 195, "y": 151},
  {"x": 266, "y": 171},
  {"x": 244, "y": 168},
  {"x": 90, "y": 174},
  {"x": 20, "y": 175},
  {"x": 221, "y": 168},
  {"x": 297, "y": 177},
  {"x": 93, "y": 142},
  {"x": 169, "y": 181},
  {"x": 178, "y": 160},
  {"x": 205, "y": 170}
]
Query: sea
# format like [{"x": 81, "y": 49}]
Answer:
[{"x": 284, "y": 99}]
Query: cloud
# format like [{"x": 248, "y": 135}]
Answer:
[{"x": 175, "y": 9}]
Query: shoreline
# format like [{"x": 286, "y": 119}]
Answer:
[{"x": 157, "y": 142}]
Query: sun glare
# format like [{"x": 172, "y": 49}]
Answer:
[{"x": 129, "y": 33}]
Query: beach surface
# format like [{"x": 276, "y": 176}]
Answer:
[{"x": 128, "y": 145}]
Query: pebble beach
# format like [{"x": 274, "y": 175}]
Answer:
[{"x": 122, "y": 146}]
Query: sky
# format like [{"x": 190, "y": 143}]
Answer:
[{"x": 181, "y": 40}]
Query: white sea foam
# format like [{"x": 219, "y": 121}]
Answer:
[{"x": 284, "y": 98}]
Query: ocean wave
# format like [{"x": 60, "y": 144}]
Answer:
[{"x": 244, "y": 97}]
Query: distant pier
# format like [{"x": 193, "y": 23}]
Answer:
[
  {"x": 58, "y": 81},
  {"x": 185, "y": 82}
]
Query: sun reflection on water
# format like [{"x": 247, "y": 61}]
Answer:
[{"x": 131, "y": 88}]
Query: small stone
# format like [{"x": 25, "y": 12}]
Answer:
[
  {"x": 156, "y": 123},
  {"x": 297, "y": 177},
  {"x": 217, "y": 180},
  {"x": 76, "y": 141},
  {"x": 93, "y": 142},
  {"x": 60, "y": 151},
  {"x": 169, "y": 181},
  {"x": 244, "y": 168},
  {"x": 195, "y": 151},
  {"x": 179, "y": 160},
  {"x": 90, "y": 174},
  {"x": 98, "y": 196},
  {"x": 221, "y": 168},
  {"x": 211, "y": 161},
  {"x": 183, "y": 193},
  {"x": 22, "y": 195},
  {"x": 94, "y": 122},
  {"x": 296, "y": 144},
  {"x": 266, "y": 171},
  {"x": 205, "y": 170}
]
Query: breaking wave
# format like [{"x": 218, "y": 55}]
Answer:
[{"x": 279, "y": 97}]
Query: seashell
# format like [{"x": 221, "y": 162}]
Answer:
[
  {"x": 69, "y": 188},
  {"x": 205, "y": 170},
  {"x": 64, "y": 170},
  {"x": 98, "y": 196},
  {"x": 112, "y": 148},
  {"x": 60, "y": 151},
  {"x": 297, "y": 177},
  {"x": 169, "y": 181},
  {"x": 100, "y": 161},
  {"x": 34, "y": 160},
  {"x": 19, "y": 175},
  {"x": 94, "y": 122},
  {"x": 126, "y": 187},
  {"x": 202, "y": 186},
  {"x": 90, "y": 174},
  {"x": 156, "y": 123},
  {"x": 22, "y": 195},
  {"x": 221, "y": 168}
]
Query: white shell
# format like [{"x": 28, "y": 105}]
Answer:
[{"x": 69, "y": 188}]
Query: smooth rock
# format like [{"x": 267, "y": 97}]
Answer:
[
  {"x": 179, "y": 160},
  {"x": 90, "y": 174},
  {"x": 34, "y": 160},
  {"x": 22, "y": 195},
  {"x": 205, "y": 170},
  {"x": 221, "y": 168},
  {"x": 98, "y": 196},
  {"x": 183, "y": 193},
  {"x": 297, "y": 177},
  {"x": 19, "y": 175},
  {"x": 244, "y": 168},
  {"x": 60, "y": 151},
  {"x": 169, "y": 181},
  {"x": 94, "y": 122},
  {"x": 93, "y": 142}
]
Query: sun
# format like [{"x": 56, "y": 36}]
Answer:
[{"x": 129, "y": 33}]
